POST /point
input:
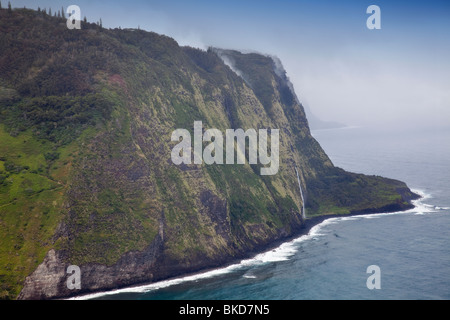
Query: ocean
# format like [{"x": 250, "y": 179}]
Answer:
[{"x": 410, "y": 249}]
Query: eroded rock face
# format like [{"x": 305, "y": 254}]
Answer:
[{"x": 49, "y": 280}]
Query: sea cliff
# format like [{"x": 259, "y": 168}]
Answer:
[{"x": 86, "y": 176}]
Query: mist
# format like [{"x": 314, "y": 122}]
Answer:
[
  {"x": 373, "y": 92},
  {"x": 340, "y": 70}
]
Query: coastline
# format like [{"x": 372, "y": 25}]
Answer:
[{"x": 243, "y": 260}]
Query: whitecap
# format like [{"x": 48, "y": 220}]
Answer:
[{"x": 353, "y": 218}]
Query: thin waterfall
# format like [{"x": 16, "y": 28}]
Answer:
[{"x": 301, "y": 194}]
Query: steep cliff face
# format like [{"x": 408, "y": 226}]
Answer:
[{"x": 86, "y": 172}]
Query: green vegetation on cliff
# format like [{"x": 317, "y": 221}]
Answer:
[{"x": 86, "y": 118}]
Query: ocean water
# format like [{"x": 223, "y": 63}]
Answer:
[{"x": 411, "y": 249}]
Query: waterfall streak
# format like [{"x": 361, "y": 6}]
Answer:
[{"x": 301, "y": 194}]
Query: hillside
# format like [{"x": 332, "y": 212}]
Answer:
[{"x": 86, "y": 176}]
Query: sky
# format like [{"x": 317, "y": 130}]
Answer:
[{"x": 398, "y": 75}]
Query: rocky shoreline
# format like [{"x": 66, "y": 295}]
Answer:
[{"x": 305, "y": 229}]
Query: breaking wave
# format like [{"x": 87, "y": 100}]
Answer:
[{"x": 281, "y": 253}]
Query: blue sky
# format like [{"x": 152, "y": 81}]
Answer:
[{"x": 340, "y": 69}]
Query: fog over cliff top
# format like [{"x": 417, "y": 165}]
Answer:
[{"x": 342, "y": 71}]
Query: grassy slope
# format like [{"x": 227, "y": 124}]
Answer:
[{"x": 31, "y": 202}]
